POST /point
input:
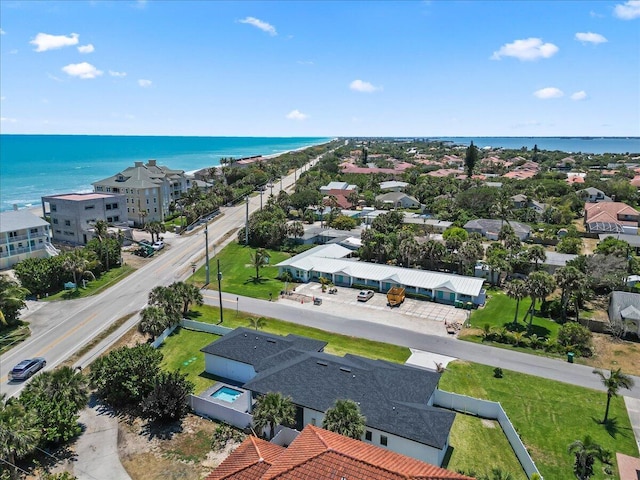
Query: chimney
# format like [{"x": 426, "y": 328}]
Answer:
[
  {"x": 139, "y": 164},
  {"x": 151, "y": 163}
]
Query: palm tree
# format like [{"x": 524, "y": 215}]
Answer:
[
  {"x": 586, "y": 451},
  {"x": 101, "y": 231},
  {"x": 80, "y": 262},
  {"x": 537, "y": 253},
  {"x": 433, "y": 252},
  {"x": 273, "y": 409},
  {"x": 155, "y": 228},
  {"x": 168, "y": 300},
  {"x": 516, "y": 289},
  {"x": 19, "y": 433},
  {"x": 614, "y": 382},
  {"x": 12, "y": 296},
  {"x": 296, "y": 229},
  {"x": 570, "y": 280},
  {"x": 539, "y": 285},
  {"x": 188, "y": 294},
  {"x": 153, "y": 321},
  {"x": 503, "y": 209},
  {"x": 259, "y": 260},
  {"x": 345, "y": 418},
  {"x": 257, "y": 322}
]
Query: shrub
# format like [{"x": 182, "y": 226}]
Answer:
[
  {"x": 576, "y": 336},
  {"x": 497, "y": 372},
  {"x": 552, "y": 308},
  {"x": 223, "y": 434}
]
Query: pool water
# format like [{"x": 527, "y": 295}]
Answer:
[{"x": 226, "y": 394}]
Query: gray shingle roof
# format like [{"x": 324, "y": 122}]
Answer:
[
  {"x": 492, "y": 225},
  {"x": 624, "y": 302},
  {"x": 392, "y": 397}
]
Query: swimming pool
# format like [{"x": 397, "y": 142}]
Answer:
[{"x": 226, "y": 394}]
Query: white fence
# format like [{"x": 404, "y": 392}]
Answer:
[
  {"x": 163, "y": 336},
  {"x": 205, "y": 327},
  {"x": 491, "y": 410},
  {"x": 220, "y": 412}
]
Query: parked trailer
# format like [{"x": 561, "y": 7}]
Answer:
[{"x": 395, "y": 296}]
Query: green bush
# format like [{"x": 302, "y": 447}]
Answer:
[{"x": 575, "y": 337}]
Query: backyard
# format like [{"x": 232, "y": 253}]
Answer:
[{"x": 239, "y": 272}]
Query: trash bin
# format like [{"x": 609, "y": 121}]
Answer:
[{"x": 570, "y": 356}]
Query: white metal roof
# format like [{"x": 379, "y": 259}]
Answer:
[{"x": 19, "y": 220}]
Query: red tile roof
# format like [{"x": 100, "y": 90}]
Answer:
[
  {"x": 628, "y": 467},
  {"x": 609, "y": 212},
  {"x": 319, "y": 454},
  {"x": 247, "y": 462}
]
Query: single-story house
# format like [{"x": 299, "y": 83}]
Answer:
[
  {"x": 632, "y": 240},
  {"x": 393, "y": 186},
  {"x": 593, "y": 195},
  {"x": 397, "y": 400},
  {"x": 624, "y": 308},
  {"x": 611, "y": 217},
  {"x": 325, "y": 189},
  {"x": 319, "y": 454},
  {"x": 522, "y": 201},
  {"x": 416, "y": 219},
  {"x": 490, "y": 228},
  {"x": 397, "y": 200},
  {"x": 314, "y": 234},
  {"x": 329, "y": 261},
  {"x": 556, "y": 260}
]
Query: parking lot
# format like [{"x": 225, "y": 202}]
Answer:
[{"x": 418, "y": 315}]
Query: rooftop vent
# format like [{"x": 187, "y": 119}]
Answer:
[
  {"x": 345, "y": 369},
  {"x": 324, "y": 364},
  {"x": 271, "y": 340}
]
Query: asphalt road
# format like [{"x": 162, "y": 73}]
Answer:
[
  {"x": 361, "y": 322},
  {"x": 59, "y": 329}
]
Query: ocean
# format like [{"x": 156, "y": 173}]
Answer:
[
  {"x": 32, "y": 166},
  {"x": 35, "y": 165}
]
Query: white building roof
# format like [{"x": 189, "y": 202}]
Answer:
[
  {"x": 319, "y": 261},
  {"x": 392, "y": 184},
  {"x": 320, "y": 253},
  {"x": 19, "y": 220}
]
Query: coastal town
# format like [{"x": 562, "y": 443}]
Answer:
[{"x": 377, "y": 307}]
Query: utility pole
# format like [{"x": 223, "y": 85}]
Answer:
[
  {"x": 206, "y": 251},
  {"x": 220, "y": 289},
  {"x": 261, "y": 192},
  {"x": 246, "y": 223}
]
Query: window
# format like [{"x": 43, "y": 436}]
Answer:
[
  {"x": 67, "y": 223},
  {"x": 108, "y": 206},
  {"x": 147, "y": 201},
  {"x": 108, "y": 189},
  {"x": 383, "y": 440},
  {"x": 19, "y": 244},
  {"x": 114, "y": 206},
  {"x": 58, "y": 231},
  {"x": 54, "y": 208},
  {"x": 368, "y": 435},
  {"x": 34, "y": 230},
  {"x": 155, "y": 210},
  {"x": 116, "y": 218},
  {"x": 155, "y": 200},
  {"x": 313, "y": 422},
  {"x": 109, "y": 219},
  {"x": 13, "y": 234},
  {"x": 89, "y": 207},
  {"x": 32, "y": 243},
  {"x": 55, "y": 221}
]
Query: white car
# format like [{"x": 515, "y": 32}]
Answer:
[
  {"x": 365, "y": 295},
  {"x": 158, "y": 245}
]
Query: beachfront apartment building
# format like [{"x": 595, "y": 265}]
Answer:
[
  {"x": 149, "y": 190},
  {"x": 23, "y": 235},
  {"x": 73, "y": 215}
]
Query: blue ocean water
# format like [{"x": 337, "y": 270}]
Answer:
[
  {"x": 35, "y": 165},
  {"x": 563, "y": 144}
]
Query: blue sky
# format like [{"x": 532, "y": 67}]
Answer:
[{"x": 328, "y": 68}]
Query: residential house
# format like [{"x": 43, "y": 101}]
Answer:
[
  {"x": 323, "y": 455},
  {"x": 632, "y": 240},
  {"x": 149, "y": 190},
  {"x": 393, "y": 186},
  {"x": 338, "y": 198},
  {"x": 444, "y": 172},
  {"x": 575, "y": 177},
  {"x": 527, "y": 170},
  {"x": 490, "y": 228},
  {"x": 338, "y": 186},
  {"x": 522, "y": 201},
  {"x": 438, "y": 226},
  {"x": 330, "y": 261},
  {"x": 611, "y": 217},
  {"x": 593, "y": 195},
  {"x": 314, "y": 234},
  {"x": 73, "y": 215},
  {"x": 23, "y": 235},
  {"x": 396, "y": 399},
  {"x": 397, "y": 200},
  {"x": 628, "y": 467},
  {"x": 555, "y": 260},
  {"x": 624, "y": 309}
]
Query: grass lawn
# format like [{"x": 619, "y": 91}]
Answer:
[
  {"x": 238, "y": 272},
  {"x": 338, "y": 344},
  {"x": 95, "y": 286},
  {"x": 467, "y": 434},
  {"x": 11, "y": 336},
  {"x": 548, "y": 415},
  {"x": 500, "y": 310}
]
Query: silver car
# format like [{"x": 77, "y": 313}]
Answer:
[{"x": 26, "y": 368}]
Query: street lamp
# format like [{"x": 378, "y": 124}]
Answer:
[
  {"x": 220, "y": 289},
  {"x": 206, "y": 251}
]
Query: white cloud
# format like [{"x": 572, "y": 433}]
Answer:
[
  {"x": 82, "y": 70},
  {"x": 527, "y": 49},
  {"x": 86, "y": 48},
  {"x": 581, "y": 95},
  {"x": 628, "y": 10},
  {"x": 590, "y": 37},
  {"x": 297, "y": 115},
  {"x": 364, "y": 87},
  {"x": 117, "y": 74},
  {"x": 144, "y": 83},
  {"x": 2, "y": 99},
  {"x": 264, "y": 26},
  {"x": 8, "y": 120},
  {"x": 44, "y": 41},
  {"x": 2, "y": 32},
  {"x": 53, "y": 77},
  {"x": 548, "y": 92}
]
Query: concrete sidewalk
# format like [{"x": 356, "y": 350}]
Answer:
[
  {"x": 97, "y": 448},
  {"x": 633, "y": 409}
]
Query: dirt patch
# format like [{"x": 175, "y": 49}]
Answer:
[
  {"x": 614, "y": 354},
  {"x": 171, "y": 453},
  {"x": 488, "y": 423}
]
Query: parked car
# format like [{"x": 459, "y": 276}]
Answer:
[
  {"x": 158, "y": 245},
  {"x": 365, "y": 295},
  {"x": 26, "y": 368}
]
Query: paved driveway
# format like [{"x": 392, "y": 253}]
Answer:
[{"x": 416, "y": 315}]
